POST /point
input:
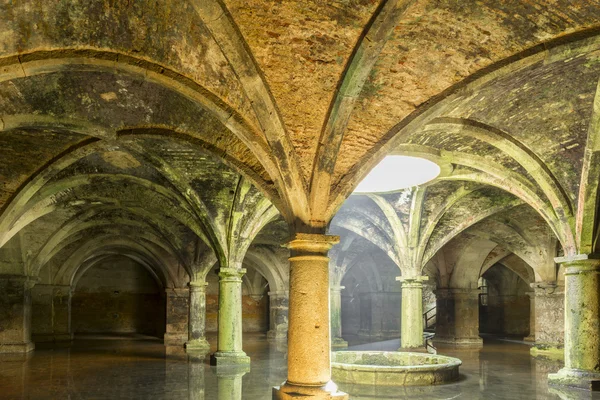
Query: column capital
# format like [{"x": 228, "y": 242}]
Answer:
[
  {"x": 412, "y": 281},
  {"x": 231, "y": 274},
  {"x": 312, "y": 243}
]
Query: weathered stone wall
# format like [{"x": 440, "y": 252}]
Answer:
[{"x": 118, "y": 295}]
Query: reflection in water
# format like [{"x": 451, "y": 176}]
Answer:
[{"x": 145, "y": 369}]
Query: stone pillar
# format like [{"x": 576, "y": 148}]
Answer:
[
  {"x": 549, "y": 319},
  {"x": 178, "y": 309},
  {"x": 309, "y": 366},
  {"x": 197, "y": 318},
  {"x": 582, "y": 326},
  {"x": 15, "y": 314},
  {"x": 411, "y": 317},
  {"x": 335, "y": 301},
  {"x": 278, "y": 315},
  {"x": 531, "y": 336},
  {"x": 457, "y": 317},
  {"x": 51, "y": 313},
  {"x": 229, "y": 346}
]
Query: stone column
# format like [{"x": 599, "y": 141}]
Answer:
[
  {"x": 411, "y": 318},
  {"x": 51, "y": 313},
  {"x": 178, "y": 309},
  {"x": 229, "y": 346},
  {"x": 197, "y": 318},
  {"x": 582, "y": 326},
  {"x": 549, "y": 319},
  {"x": 457, "y": 317},
  {"x": 278, "y": 315},
  {"x": 531, "y": 336},
  {"x": 335, "y": 301},
  {"x": 15, "y": 314},
  {"x": 309, "y": 366}
]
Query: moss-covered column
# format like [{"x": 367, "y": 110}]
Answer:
[
  {"x": 549, "y": 327},
  {"x": 309, "y": 366},
  {"x": 197, "y": 320},
  {"x": 278, "y": 315},
  {"x": 335, "y": 301},
  {"x": 531, "y": 336},
  {"x": 582, "y": 326},
  {"x": 15, "y": 314},
  {"x": 229, "y": 346},
  {"x": 178, "y": 303},
  {"x": 411, "y": 317},
  {"x": 457, "y": 317}
]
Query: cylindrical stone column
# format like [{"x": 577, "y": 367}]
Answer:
[
  {"x": 335, "y": 301},
  {"x": 582, "y": 326},
  {"x": 309, "y": 367},
  {"x": 229, "y": 345},
  {"x": 457, "y": 317},
  {"x": 411, "y": 324},
  {"x": 197, "y": 321},
  {"x": 278, "y": 315}
]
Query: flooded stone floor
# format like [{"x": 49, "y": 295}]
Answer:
[{"x": 138, "y": 367}]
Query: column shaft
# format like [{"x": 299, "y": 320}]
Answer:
[
  {"x": 15, "y": 314},
  {"x": 309, "y": 367},
  {"x": 336, "y": 317},
  {"x": 229, "y": 346},
  {"x": 582, "y": 326},
  {"x": 278, "y": 315},
  {"x": 411, "y": 325},
  {"x": 178, "y": 303},
  {"x": 549, "y": 325},
  {"x": 197, "y": 318}
]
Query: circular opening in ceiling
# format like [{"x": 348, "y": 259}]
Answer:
[{"x": 398, "y": 172}]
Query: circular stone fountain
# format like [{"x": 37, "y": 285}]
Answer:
[{"x": 390, "y": 368}]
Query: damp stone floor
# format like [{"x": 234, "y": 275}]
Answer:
[{"x": 140, "y": 367}]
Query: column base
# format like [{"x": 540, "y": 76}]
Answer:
[
  {"x": 277, "y": 335},
  {"x": 338, "y": 343},
  {"x": 226, "y": 358},
  {"x": 576, "y": 378},
  {"x": 289, "y": 391},
  {"x": 197, "y": 344},
  {"x": 471, "y": 343},
  {"x": 175, "y": 339},
  {"x": 16, "y": 348},
  {"x": 553, "y": 352}
]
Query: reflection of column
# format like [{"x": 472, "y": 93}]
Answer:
[
  {"x": 336, "y": 317},
  {"x": 15, "y": 314},
  {"x": 457, "y": 317},
  {"x": 230, "y": 384},
  {"x": 229, "y": 346},
  {"x": 411, "y": 325},
  {"x": 197, "y": 319},
  {"x": 196, "y": 375},
  {"x": 177, "y": 316},
  {"x": 309, "y": 370},
  {"x": 549, "y": 319},
  {"x": 582, "y": 326},
  {"x": 531, "y": 336},
  {"x": 278, "y": 315},
  {"x": 51, "y": 313}
]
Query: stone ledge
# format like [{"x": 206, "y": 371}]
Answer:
[
  {"x": 289, "y": 391},
  {"x": 229, "y": 359}
]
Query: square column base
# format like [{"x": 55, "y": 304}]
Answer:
[
  {"x": 289, "y": 391},
  {"x": 197, "y": 344},
  {"x": 576, "y": 378},
  {"x": 231, "y": 359},
  {"x": 16, "y": 348},
  {"x": 338, "y": 343}
]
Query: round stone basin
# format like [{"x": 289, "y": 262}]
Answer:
[{"x": 391, "y": 368}]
